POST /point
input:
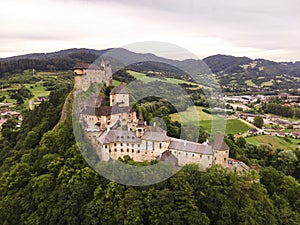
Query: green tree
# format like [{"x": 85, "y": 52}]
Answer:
[{"x": 258, "y": 121}]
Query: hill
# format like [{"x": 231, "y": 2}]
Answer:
[{"x": 235, "y": 74}]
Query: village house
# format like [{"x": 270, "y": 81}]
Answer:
[{"x": 295, "y": 134}]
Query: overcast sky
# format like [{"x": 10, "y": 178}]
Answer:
[{"x": 257, "y": 28}]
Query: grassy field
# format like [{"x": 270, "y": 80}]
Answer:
[
  {"x": 250, "y": 83},
  {"x": 37, "y": 89},
  {"x": 277, "y": 142},
  {"x": 267, "y": 83},
  {"x": 146, "y": 79},
  {"x": 195, "y": 115},
  {"x": 233, "y": 126}
]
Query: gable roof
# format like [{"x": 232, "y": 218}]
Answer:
[
  {"x": 113, "y": 136},
  {"x": 188, "y": 146},
  {"x": 121, "y": 89},
  {"x": 219, "y": 143}
]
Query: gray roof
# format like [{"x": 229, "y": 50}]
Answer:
[
  {"x": 219, "y": 143},
  {"x": 113, "y": 136},
  {"x": 105, "y": 110},
  {"x": 155, "y": 133},
  {"x": 121, "y": 89},
  {"x": 188, "y": 146}
]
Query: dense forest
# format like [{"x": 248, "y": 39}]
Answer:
[{"x": 45, "y": 180}]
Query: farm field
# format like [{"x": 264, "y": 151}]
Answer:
[
  {"x": 276, "y": 142},
  {"x": 189, "y": 117}
]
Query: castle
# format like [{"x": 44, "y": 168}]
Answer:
[
  {"x": 116, "y": 131},
  {"x": 86, "y": 74}
]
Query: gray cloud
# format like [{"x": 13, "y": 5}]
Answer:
[{"x": 233, "y": 27}]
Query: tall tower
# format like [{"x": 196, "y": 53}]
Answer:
[
  {"x": 85, "y": 74},
  {"x": 119, "y": 96}
]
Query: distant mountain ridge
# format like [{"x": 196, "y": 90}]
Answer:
[{"x": 233, "y": 73}]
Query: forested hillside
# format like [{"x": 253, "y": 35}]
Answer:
[
  {"x": 235, "y": 74},
  {"x": 45, "y": 180}
]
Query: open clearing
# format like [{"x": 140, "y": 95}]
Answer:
[
  {"x": 194, "y": 115},
  {"x": 276, "y": 142}
]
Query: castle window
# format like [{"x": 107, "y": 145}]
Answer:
[
  {"x": 115, "y": 144},
  {"x": 132, "y": 151},
  {"x": 105, "y": 146},
  {"x": 115, "y": 150},
  {"x": 139, "y": 145},
  {"x": 127, "y": 150},
  {"x": 138, "y": 151},
  {"x": 193, "y": 155},
  {"x": 121, "y": 149},
  {"x": 127, "y": 144},
  {"x": 208, "y": 156},
  {"x": 132, "y": 145},
  {"x": 224, "y": 159},
  {"x": 160, "y": 145},
  {"x": 215, "y": 158},
  {"x": 109, "y": 150},
  {"x": 121, "y": 144},
  {"x": 200, "y": 156},
  {"x": 186, "y": 153},
  {"x": 122, "y": 136},
  {"x": 128, "y": 137}
]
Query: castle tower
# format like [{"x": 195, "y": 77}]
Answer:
[
  {"x": 85, "y": 74},
  {"x": 220, "y": 150},
  {"x": 140, "y": 128},
  {"x": 119, "y": 96}
]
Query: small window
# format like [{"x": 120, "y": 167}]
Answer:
[
  {"x": 193, "y": 155},
  {"x": 139, "y": 145},
  {"x": 122, "y": 150},
  {"x": 115, "y": 144},
  {"x": 160, "y": 145},
  {"x": 132, "y": 151},
  {"x": 127, "y": 150},
  {"x": 121, "y": 144},
  {"x": 138, "y": 151},
  {"x": 224, "y": 159},
  {"x": 115, "y": 150}
]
